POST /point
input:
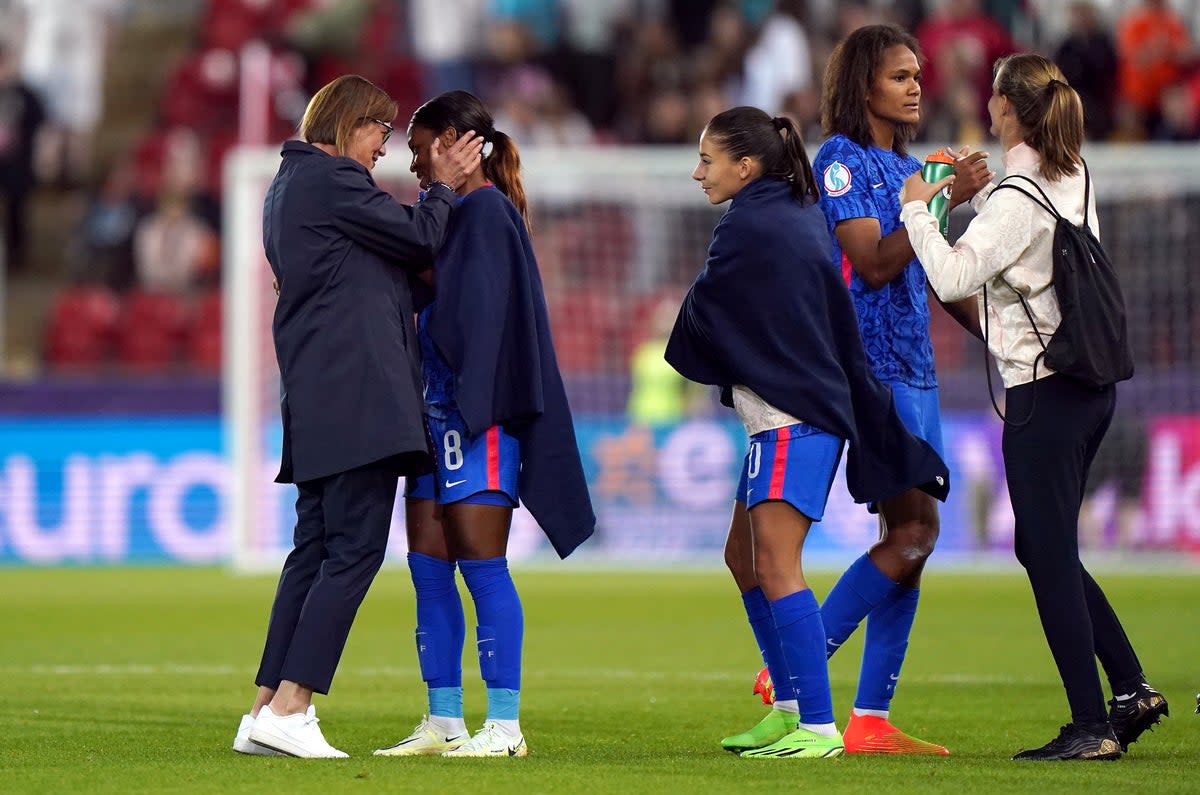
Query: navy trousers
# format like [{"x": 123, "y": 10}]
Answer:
[
  {"x": 1046, "y": 462},
  {"x": 341, "y": 535}
]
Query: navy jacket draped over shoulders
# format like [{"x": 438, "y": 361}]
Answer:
[
  {"x": 342, "y": 250},
  {"x": 770, "y": 312},
  {"x": 490, "y": 324}
]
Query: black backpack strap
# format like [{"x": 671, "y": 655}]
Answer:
[
  {"x": 1044, "y": 202},
  {"x": 1087, "y": 192},
  {"x": 987, "y": 364}
]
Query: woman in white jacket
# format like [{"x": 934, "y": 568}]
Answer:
[{"x": 1007, "y": 251}]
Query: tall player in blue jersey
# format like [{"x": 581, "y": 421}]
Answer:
[
  {"x": 870, "y": 110},
  {"x": 501, "y": 429}
]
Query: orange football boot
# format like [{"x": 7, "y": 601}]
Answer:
[
  {"x": 763, "y": 686},
  {"x": 869, "y": 734}
]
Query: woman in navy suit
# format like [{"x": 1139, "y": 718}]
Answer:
[{"x": 342, "y": 251}]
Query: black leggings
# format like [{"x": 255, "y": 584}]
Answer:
[{"x": 1047, "y": 464}]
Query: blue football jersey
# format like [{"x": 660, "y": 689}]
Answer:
[
  {"x": 439, "y": 378},
  {"x": 857, "y": 182}
]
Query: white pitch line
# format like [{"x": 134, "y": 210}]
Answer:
[{"x": 174, "y": 669}]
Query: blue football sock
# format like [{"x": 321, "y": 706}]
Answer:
[
  {"x": 758, "y": 610},
  {"x": 446, "y": 702},
  {"x": 798, "y": 621},
  {"x": 501, "y": 627},
  {"x": 441, "y": 632},
  {"x": 503, "y": 704},
  {"x": 857, "y": 592},
  {"x": 888, "y": 628}
]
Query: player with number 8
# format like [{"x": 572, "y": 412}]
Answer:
[{"x": 496, "y": 439}]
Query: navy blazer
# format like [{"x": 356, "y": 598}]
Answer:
[
  {"x": 770, "y": 312},
  {"x": 489, "y": 322},
  {"x": 342, "y": 250}
]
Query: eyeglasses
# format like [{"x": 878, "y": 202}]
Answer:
[{"x": 387, "y": 129}]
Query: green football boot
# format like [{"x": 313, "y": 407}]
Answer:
[
  {"x": 800, "y": 744},
  {"x": 774, "y": 727}
]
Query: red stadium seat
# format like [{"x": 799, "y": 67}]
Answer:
[
  {"x": 583, "y": 323},
  {"x": 151, "y": 330},
  {"x": 203, "y": 341},
  {"x": 231, "y": 23},
  {"x": 81, "y": 328},
  {"x": 202, "y": 92},
  {"x": 148, "y": 157}
]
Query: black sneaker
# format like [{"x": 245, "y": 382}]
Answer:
[
  {"x": 1074, "y": 742},
  {"x": 1132, "y": 716}
]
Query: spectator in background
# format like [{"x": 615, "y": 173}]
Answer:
[
  {"x": 1088, "y": 57},
  {"x": 536, "y": 109},
  {"x": 690, "y": 20},
  {"x": 1154, "y": 48},
  {"x": 102, "y": 250},
  {"x": 589, "y": 55},
  {"x": 668, "y": 117},
  {"x": 1180, "y": 120},
  {"x": 446, "y": 50},
  {"x": 720, "y": 59},
  {"x": 961, "y": 43},
  {"x": 332, "y": 27},
  {"x": 173, "y": 250},
  {"x": 653, "y": 71},
  {"x": 21, "y": 115},
  {"x": 541, "y": 20},
  {"x": 66, "y": 43},
  {"x": 779, "y": 62}
]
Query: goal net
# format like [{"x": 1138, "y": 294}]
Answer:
[{"x": 620, "y": 233}]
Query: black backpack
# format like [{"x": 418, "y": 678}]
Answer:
[{"x": 1090, "y": 344}]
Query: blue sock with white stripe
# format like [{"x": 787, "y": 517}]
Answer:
[
  {"x": 500, "y": 633},
  {"x": 888, "y": 628},
  {"x": 857, "y": 592},
  {"x": 798, "y": 621},
  {"x": 758, "y": 610}
]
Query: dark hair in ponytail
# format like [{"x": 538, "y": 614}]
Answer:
[
  {"x": 1050, "y": 111},
  {"x": 463, "y": 111},
  {"x": 774, "y": 142}
]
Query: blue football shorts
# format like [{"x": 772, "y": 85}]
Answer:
[
  {"x": 479, "y": 471},
  {"x": 919, "y": 411},
  {"x": 795, "y": 464}
]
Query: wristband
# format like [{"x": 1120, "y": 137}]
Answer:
[{"x": 443, "y": 184}]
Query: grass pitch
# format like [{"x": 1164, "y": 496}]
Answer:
[{"x": 133, "y": 680}]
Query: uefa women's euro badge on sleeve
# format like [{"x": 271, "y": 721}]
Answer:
[{"x": 938, "y": 165}]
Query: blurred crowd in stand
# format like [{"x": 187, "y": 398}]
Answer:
[{"x": 143, "y": 248}]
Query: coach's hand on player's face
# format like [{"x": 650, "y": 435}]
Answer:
[
  {"x": 916, "y": 189},
  {"x": 972, "y": 174},
  {"x": 458, "y": 162}
]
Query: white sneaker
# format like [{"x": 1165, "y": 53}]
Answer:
[
  {"x": 491, "y": 740},
  {"x": 294, "y": 735},
  {"x": 241, "y": 740},
  {"x": 425, "y": 740}
]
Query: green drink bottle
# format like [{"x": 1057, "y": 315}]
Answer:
[{"x": 939, "y": 165}]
